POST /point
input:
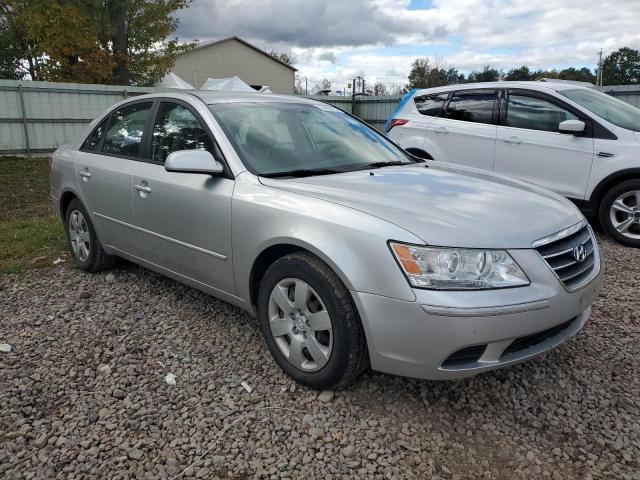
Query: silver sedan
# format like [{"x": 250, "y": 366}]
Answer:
[{"x": 351, "y": 253}]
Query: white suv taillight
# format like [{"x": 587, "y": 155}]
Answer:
[{"x": 396, "y": 122}]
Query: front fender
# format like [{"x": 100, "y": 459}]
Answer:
[{"x": 352, "y": 243}]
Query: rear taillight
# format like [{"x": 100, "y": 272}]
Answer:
[
  {"x": 396, "y": 122},
  {"x": 50, "y": 162}
]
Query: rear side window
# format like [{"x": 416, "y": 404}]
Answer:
[
  {"x": 177, "y": 128},
  {"x": 92, "y": 141},
  {"x": 535, "y": 113},
  {"x": 431, "y": 105},
  {"x": 124, "y": 135},
  {"x": 475, "y": 106}
]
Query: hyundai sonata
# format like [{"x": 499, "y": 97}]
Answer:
[{"x": 351, "y": 253}]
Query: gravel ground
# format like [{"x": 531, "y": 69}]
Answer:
[{"x": 83, "y": 394}]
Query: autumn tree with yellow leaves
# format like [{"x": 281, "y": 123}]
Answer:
[{"x": 122, "y": 42}]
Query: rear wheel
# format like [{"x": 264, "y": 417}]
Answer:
[
  {"x": 310, "y": 324},
  {"x": 84, "y": 245},
  {"x": 620, "y": 212}
]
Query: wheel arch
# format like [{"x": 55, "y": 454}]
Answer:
[
  {"x": 609, "y": 182},
  {"x": 281, "y": 248},
  {"x": 420, "y": 153},
  {"x": 65, "y": 199}
]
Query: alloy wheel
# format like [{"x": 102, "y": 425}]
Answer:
[
  {"x": 79, "y": 235},
  {"x": 625, "y": 214},
  {"x": 300, "y": 324}
]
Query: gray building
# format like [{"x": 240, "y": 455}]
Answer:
[{"x": 234, "y": 56}]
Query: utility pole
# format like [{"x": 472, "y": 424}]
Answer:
[
  {"x": 599, "y": 77},
  {"x": 306, "y": 86}
]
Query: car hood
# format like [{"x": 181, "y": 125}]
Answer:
[{"x": 445, "y": 205}]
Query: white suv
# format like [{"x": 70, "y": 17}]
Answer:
[{"x": 571, "y": 139}]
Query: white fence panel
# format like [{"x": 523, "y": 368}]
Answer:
[{"x": 38, "y": 117}]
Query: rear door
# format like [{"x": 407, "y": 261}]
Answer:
[
  {"x": 105, "y": 169},
  {"x": 419, "y": 113},
  {"x": 531, "y": 148},
  {"x": 184, "y": 218},
  {"x": 466, "y": 133}
]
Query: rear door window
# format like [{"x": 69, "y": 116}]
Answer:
[
  {"x": 534, "y": 113},
  {"x": 472, "y": 106},
  {"x": 177, "y": 128},
  {"x": 431, "y": 105},
  {"x": 126, "y": 127}
]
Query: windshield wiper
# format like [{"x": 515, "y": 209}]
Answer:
[
  {"x": 303, "y": 172},
  {"x": 368, "y": 166}
]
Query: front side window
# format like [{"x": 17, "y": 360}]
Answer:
[
  {"x": 535, "y": 113},
  {"x": 124, "y": 135},
  {"x": 611, "y": 109},
  {"x": 431, "y": 105},
  {"x": 275, "y": 138},
  {"x": 177, "y": 128},
  {"x": 92, "y": 141},
  {"x": 472, "y": 106}
]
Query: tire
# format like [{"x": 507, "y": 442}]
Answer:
[
  {"x": 339, "y": 353},
  {"x": 619, "y": 213},
  {"x": 84, "y": 245}
]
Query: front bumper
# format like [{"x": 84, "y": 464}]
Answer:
[{"x": 456, "y": 334}]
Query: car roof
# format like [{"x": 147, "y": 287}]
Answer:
[{"x": 535, "y": 85}]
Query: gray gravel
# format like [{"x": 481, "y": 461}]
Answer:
[{"x": 83, "y": 394}]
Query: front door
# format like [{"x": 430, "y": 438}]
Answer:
[
  {"x": 530, "y": 147},
  {"x": 185, "y": 218}
]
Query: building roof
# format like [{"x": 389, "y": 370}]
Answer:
[{"x": 223, "y": 40}]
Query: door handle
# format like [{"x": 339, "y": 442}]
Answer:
[
  {"x": 512, "y": 140},
  {"x": 85, "y": 174},
  {"x": 441, "y": 130},
  {"x": 142, "y": 188}
]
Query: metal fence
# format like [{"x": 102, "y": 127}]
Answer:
[{"x": 37, "y": 117}]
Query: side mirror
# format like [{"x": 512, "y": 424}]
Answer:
[
  {"x": 193, "y": 161},
  {"x": 571, "y": 126}
]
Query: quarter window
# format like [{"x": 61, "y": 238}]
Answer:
[
  {"x": 474, "y": 107},
  {"x": 124, "y": 135},
  {"x": 535, "y": 113},
  {"x": 177, "y": 128},
  {"x": 92, "y": 141},
  {"x": 431, "y": 105}
]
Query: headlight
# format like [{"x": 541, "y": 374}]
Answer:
[{"x": 458, "y": 268}]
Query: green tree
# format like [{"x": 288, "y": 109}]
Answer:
[
  {"x": 621, "y": 67},
  {"x": 424, "y": 74},
  {"x": 487, "y": 74},
  {"x": 580, "y": 75},
  {"x": 521, "y": 74}
]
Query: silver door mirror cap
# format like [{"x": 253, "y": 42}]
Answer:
[
  {"x": 193, "y": 161},
  {"x": 571, "y": 126}
]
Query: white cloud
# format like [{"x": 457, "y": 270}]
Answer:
[{"x": 338, "y": 39}]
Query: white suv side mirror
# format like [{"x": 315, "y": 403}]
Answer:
[
  {"x": 193, "y": 161},
  {"x": 571, "y": 126}
]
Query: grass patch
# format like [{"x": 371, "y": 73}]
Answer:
[{"x": 31, "y": 236}]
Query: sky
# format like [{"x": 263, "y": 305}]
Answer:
[{"x": 378, "y": 39}]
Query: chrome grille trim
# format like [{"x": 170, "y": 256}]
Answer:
[{"x": 556, "y": 250}]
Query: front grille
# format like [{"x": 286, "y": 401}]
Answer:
[
  {"x": 523, "y": 343},
  {"x": 559, "y": 255}
]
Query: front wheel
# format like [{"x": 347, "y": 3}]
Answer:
[
  {"x": 310, "y": 324},
  {"x": 620, "y": 213}
]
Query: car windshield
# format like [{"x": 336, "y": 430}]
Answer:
[
  {"x": 297, "y": 139},
  {"x": 611, "y": 109}
]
